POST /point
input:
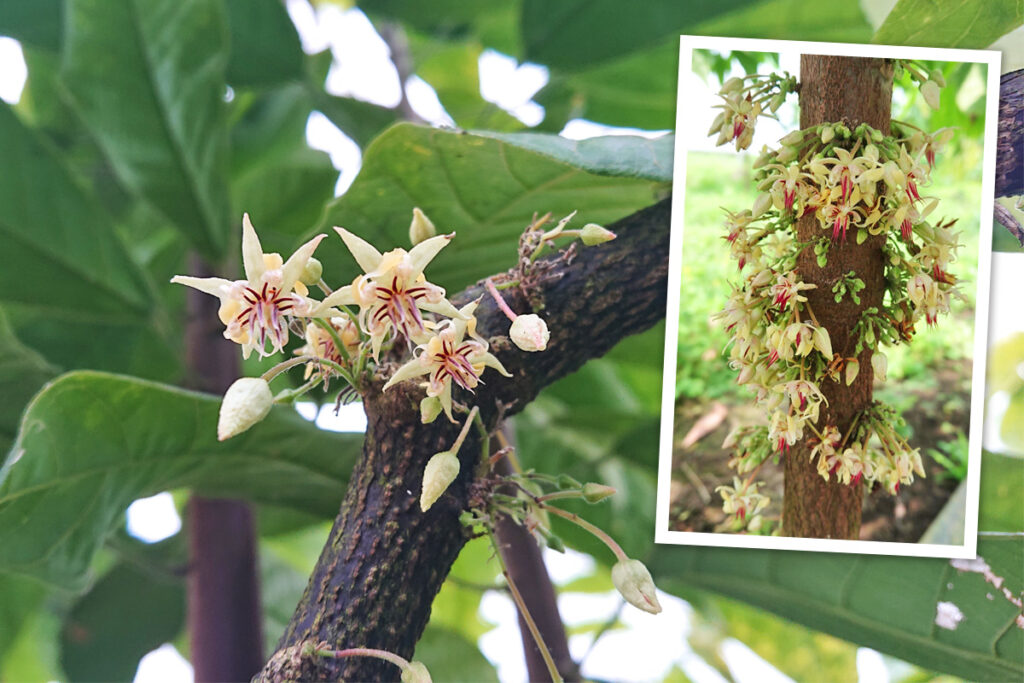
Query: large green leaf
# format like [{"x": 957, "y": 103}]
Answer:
[
  {"x": 265, "y": 48},
  {"x": 35, "y": 22},
  {"x": 485, "y": 189},
  {"x": 578, "y": 34},
  {"x": 949, "y": 24},
  {"x": 640, "y": 89},
  {"x": 91, "y": 443},
  {"x": 886, "y": 603},
  {"x": 131, "y": 610},
  {"x": 19, "y": 598},
  {"x": 1000, "y": 505},
  {"x": 68, "y": 285},
  {"x": 147, "y": 77},
  {"x": 22, "y": 372}
]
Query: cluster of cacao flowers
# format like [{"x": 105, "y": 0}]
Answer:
[
  {"x": 744, "y": 98},
  {"x": 856, "y": 183}
]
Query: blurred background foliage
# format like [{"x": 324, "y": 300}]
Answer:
[{"x": 146, "y": 127}]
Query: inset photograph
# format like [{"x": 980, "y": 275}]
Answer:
[{"x": 828, "y": 297}]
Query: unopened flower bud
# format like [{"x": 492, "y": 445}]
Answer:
[
  {"x": 593, "y": 234},
  {"x": 761, "y": 204},
  {"x": 421, "y": 227},
  {"x": 416, "y": 672},
  {"x": 245, "y": 403},
  {"x": 440, "y": 472},
  {"x": 777, "y": 102},
  {"x": 732, "y": 85},
  {"x": 827, "y": 133},
  {"x": 794, "y": 138},
  {"x": 595, "y": 493},
  {"x": 311, "y": 272},
  {"x": 717, "y": 124},
  {"x": 785, "y": 155},
  {"x": 635, "y": 584},
  {"x": 529, "y": 332},
  {"x": 930, "y": 93},
  {"x": 430, "y": 408},
  {"x": 936, "y": 75},
  {"x": 880, "y": 364}
]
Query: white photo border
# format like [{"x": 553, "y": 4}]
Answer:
[{"x": 686, "y": 118}]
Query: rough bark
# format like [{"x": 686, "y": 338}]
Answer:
[
  {"x": 224, "y": 618},
  {"x": 385, "y": 560},
  {"x": 853, "y": 90},
  {"x": 1010, "y": 144}
]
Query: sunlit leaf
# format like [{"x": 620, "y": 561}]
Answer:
[{"x": 949, "y": 24}]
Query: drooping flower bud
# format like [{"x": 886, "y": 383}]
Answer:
[
  {"x": 827, "y": 133},
  {"x": 245, "y": 403},
  {"x": 880, "y": 365},
  {"x": 421, "y": 228},
  {"x": 595, "y": 493},
  {"x": 794, "y": 138},
  {"x": 416, "y": 672},
  {"x": 936, "y": 75},
  {"x": 593, "y": 234},
  {"x": 635, "y": 584},
  {"x": 311, "y": 272},
  {"x": 440, "y": 472},
  {"x": 529, "y": 332},
  {"x": 761, "y": 204},
  {"x": 731, "y": 85},
  {"x": 930, "y": 93},
  {"x": 430, "y": 408}
]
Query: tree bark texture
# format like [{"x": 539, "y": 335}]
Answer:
[
  {"x": 853, "y": 90},
  {"x": 385, "y": 560},
  {"x": 224, "y": 617},
  {"x": 1010, "y": 145}
]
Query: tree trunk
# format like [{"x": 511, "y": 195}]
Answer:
[
  {"x": 853, "y": 90},
  {"x": 1010, "y": 145},
  {"x": 385, "y": 560},
  {"x": 224, "y": 618}
]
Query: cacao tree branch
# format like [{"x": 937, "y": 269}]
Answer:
[{"x": 385, "y": 560}]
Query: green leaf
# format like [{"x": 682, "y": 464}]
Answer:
[
  {"x": 576, "y": 35},
  {"x": 147, "y": 77},
  {"x": 451, "y": 657},
  {"x": 91, "y": 443},
  {"x": 886, "y": 603},
  {"x": 22, "y": 372},
  {"x": 19, "y": 599},
  {"x": 453, "y": 71},
  {"x": 949, "y": 24},
  {"x": 265, "y": 48},
  {"x": 1000, "y": 506},
  {"x": 127, "y": 613},
  {"x": 487, "y": 190},
  {"x": 35, "y": 22},
  {"x": 640, "y": 89}
]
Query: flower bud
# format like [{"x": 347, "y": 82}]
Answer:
[
  {"x": 936, "y": 75},
  {"x": 635, "y": 584},
  {"x": 416, "y": 672},
  {"x": 794, "y": 138},
  {"x": 430, "y": 408},
  {"x": 777, "y": 102},
  {"x": 880, "y": 364},
  {"x": 732, "y": 85},
  {"x": 930, "y": 93},
  {"x": 593, "y": 234},
  {"x": 785, "y": 155},
  {"x": 529, "y": 332},
  {"x": 311, "y": 272},
  {"x": 852, "y": 370},
  {"x": 440, "y": 472},
  {"x": 717, "y": 124},
  {"x": 421, "y": 227},
  {"x": 595, "y": 493},
  {"x": 761, "y": 204},
  {"x": 827, "y": 133},
  {"x": 245, "y": 403}
]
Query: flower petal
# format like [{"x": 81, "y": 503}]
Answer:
[
  {"x": 413, "y": 368},
  {"x": 291, "y": 271},
  {"x": 252, "y": 251},
  {"x": 491, "y": 361},
  {"x": 217, "y": 286},
  {"x": 365, "y": 254},
  {"x": 424, "y": 252},
  {"x": 343, "y": 296}
]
